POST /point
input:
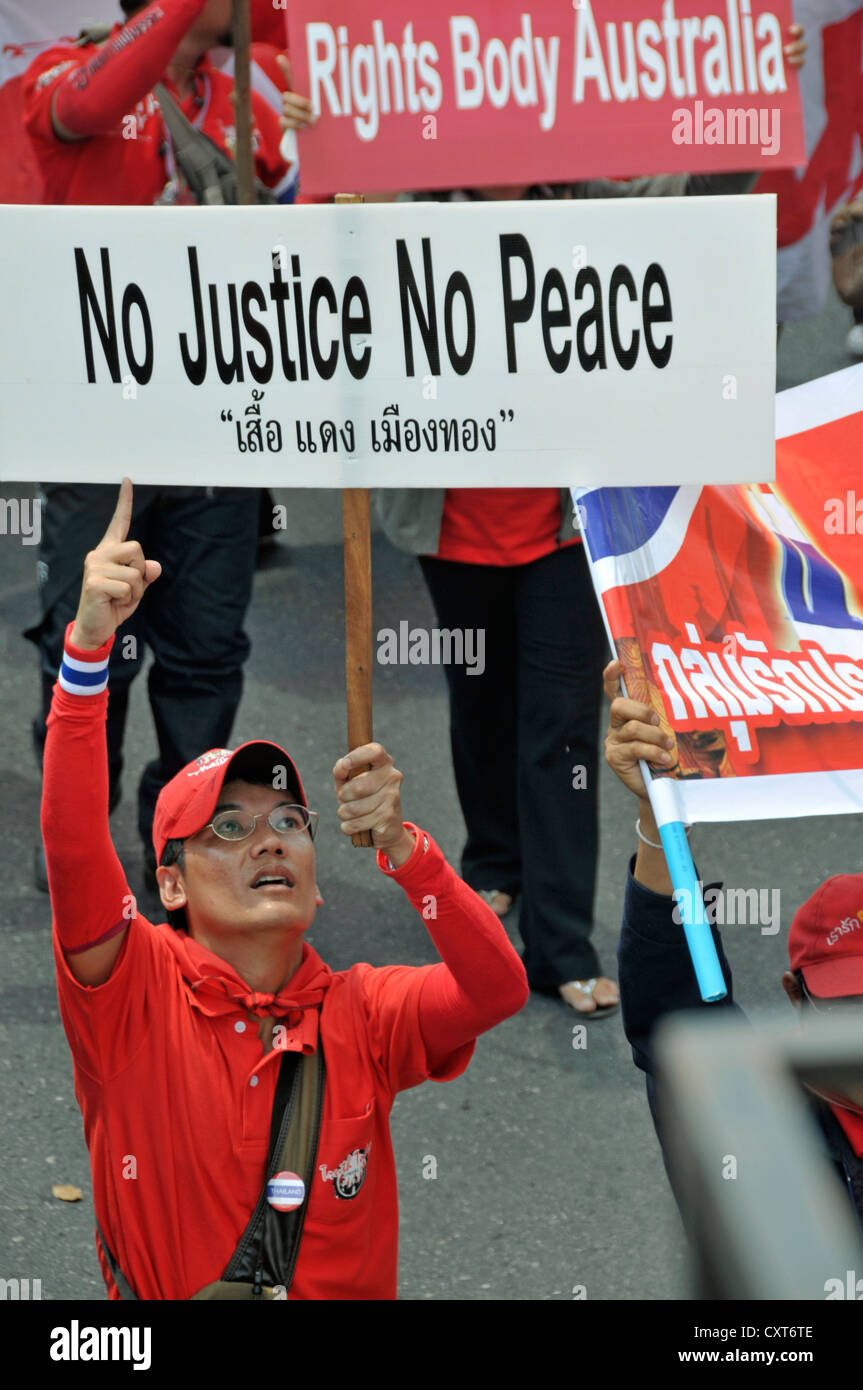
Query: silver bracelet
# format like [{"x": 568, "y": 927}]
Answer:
[{"x": 652, "y": 843}]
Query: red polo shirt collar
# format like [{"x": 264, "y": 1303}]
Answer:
[{"x": 215, "y": 988}]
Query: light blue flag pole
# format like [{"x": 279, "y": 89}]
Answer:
[
  {"x": 665, "y": 805},
  {"x": 687, "y": 890}
]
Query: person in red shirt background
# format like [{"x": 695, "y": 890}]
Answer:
[
  {"x": 96, "y": 126},
  {"x": 173, "y": 1031}
]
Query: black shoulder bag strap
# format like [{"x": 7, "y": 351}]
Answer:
[
  {"x": 263, "y": 1263},
  {"x": 210, "y": 174},
  {"x": 266, "y": 1254}
]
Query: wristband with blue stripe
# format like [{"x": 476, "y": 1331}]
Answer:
[{"x": 83, "y": 677}]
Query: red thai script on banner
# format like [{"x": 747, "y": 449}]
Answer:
[
  {"x": 496, "y": 94},
  {"x": 743, "y": 678},
  {"x": 739, "y": 616}
]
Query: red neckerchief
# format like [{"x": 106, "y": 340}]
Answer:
[{"x": 216, "y": 989}]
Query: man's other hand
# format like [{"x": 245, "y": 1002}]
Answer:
[
  {"x": 372, "y": 800},
  {"x": 116, "y": 576}
]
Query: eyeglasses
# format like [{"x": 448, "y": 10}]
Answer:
[
  {"x": 239, "y": 825},
  {"x": 847, "y": 1004}
]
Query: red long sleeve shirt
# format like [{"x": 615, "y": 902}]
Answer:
[
  {"x": 104, "y": 92},
  {"x": 175, "y": 1089}
]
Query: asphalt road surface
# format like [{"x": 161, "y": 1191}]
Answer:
[{"x": 548, "y": 1171}]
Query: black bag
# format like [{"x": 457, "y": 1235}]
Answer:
[{"x": 262, "y": 1266}]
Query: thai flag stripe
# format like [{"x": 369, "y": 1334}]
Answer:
[
  {"x": 76, "y": 663},
  {"x": 83, "y": 677},
  {"x": 620, "y": 519},
  {"x": 632, "y": 534},
  {"x": 819, "y": 402}
]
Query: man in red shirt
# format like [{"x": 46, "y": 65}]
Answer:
[
  {"x": 95, "y": 123},
  {"x": 177, "y": 1035}
]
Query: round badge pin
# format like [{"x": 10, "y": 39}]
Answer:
[{"x": 286, "y": 1191}]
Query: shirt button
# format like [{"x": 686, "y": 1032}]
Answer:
[
  {"x": 240, "y": 1027},
  {"x": 253, "y": 1081}
]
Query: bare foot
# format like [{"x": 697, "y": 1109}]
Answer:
[{"x": 597, "y": 996}]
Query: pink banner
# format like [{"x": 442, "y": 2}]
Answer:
[{"x": 542, "y": 93}]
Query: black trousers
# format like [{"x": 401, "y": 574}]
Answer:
[
  {"x": 191, "y": 618},
  {"x": 525, "y": 738}
]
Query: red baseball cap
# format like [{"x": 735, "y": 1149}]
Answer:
[
  {"x": 826, "y": 938},
  {"x": 186, "y": 803}
]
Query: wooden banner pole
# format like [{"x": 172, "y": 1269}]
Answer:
[
  {"x": 243, "y": 157},
  {"x": 358, "y": 609}
]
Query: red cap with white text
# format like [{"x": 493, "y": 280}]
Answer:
[
  {"x": 186, "y": 803},
  {"x": 826, "y": 938}
]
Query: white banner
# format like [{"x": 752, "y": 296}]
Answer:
[{"x": 542, "y": 344}]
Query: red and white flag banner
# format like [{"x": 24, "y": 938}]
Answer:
[{"x": 737, "y": 613}]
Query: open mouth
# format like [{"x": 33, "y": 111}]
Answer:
[{"x": 273, "y": 881}]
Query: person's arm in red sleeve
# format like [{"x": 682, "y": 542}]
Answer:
[
  {"x": 90, "y": 899},
  {"x": 98, "y": 93},
  {"x": 481, "y": 980}
]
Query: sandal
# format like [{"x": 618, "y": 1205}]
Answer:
[{"x": 586, "y": 988}]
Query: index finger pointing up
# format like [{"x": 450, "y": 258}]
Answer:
[{"x": 118, "y": 526}]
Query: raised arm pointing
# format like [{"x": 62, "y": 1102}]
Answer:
[
  {"x": 115, "y": 578},
  {"x": 90, "y": 898}
]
